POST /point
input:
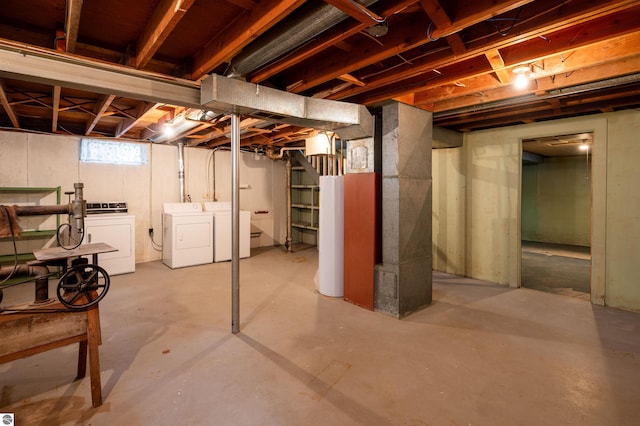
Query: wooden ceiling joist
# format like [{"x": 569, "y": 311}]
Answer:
[
  {"x": 4, "y": 100},
  {"x": 56, "y": 108},
  {"x": 440, "y": 19},
  {"x": 530, "y": 30},
  {"x": 495, "y": 59},
  {"x": 72, "y": 24},
  {"x": 163, "y": 21},
  {"x": 100, "y": 109},
  {"x": 141, "y": 109},
  {"x": 557, "y": 73},
  {"x": 249, "y": 26},
  {"x": 437, "y": 55},
  {"x": 357, "y": 11},
  {"x": 471, "y": 13},
  {"x": 325, "y": 40}
]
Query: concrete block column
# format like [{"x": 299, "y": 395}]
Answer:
[{"x": 403, "y": 279}]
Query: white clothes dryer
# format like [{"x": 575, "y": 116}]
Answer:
[
  {"x": 187, "y": 235},
  {"x": 221, "y": 213}
]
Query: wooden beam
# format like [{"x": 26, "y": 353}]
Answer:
[
  {"x": 56, "y": 108},
  {"x": 29, "y": 63},
  {"x": 100, "y": 109},
  {"x": 576, "y": 12},
  {"x": 558, "y": 74},
  {"x": 4, "y": 100},
  {"x": 245, "y": 4},
  {"x": 495, "y": 59},
  {"x": 440, "y": 19},
  {"x": 128, "y": 123},
  {"x": 436, "y": 13},
  {"x": 163, "y": 21},
  {"x": 456, "y": 44},
  {"x": 614, "y": 56},
  {"x": 352, "y": 79},
  {"x": 72, "y": 23},
  {"x": 472, "y": 13},
  {"x": 366, "y": 52},
  {"x": 247, "y": 28},
  {"x": 356, "y": 11},
  {"x": 537, "y": 108}
]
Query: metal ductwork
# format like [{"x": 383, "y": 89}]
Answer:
[
  {"x": 228, "y": 95},
  {"x": 295, "y": 30}
]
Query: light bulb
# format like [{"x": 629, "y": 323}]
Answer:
[
  {"x": 521, "y": 81},
  {"x": 168, "y": 130}
]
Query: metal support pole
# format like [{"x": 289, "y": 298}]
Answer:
[
  {"x": 235, "y": 223},
  {"x": 181, "y": 171},
  {"x": 288, "y": 240}
]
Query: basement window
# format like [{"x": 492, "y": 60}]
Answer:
[{"x": 108, "y": 152}]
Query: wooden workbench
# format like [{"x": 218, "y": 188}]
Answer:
[
  {"x": 28, "y": 333},
  {"x": 24, "y": 333}
]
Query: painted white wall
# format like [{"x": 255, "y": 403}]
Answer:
[
  {"x": 623, "y": 211},
  {"x": 492, "y": 204},
  {"x": 449, "y": 212},
  {"x": 556, "y": 201},
  {"x": 34, "y": 160},
  {"x": 263, "y": 193},
  {"x": 492, "y": 199}
]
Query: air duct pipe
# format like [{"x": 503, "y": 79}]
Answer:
[{"x": 295, "y": 30}]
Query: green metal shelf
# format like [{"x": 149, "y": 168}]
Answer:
[{"x": 30, "y": 234}]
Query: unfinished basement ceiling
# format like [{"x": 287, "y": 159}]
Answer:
[
  {"x": 573, "y": 145},
  {"x": 454, "y": 58}
]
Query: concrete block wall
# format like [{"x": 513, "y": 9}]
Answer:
[{"x": 35, "y": 160}]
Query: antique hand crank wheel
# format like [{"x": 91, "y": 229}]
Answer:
[{"x": 82, "y": 286}]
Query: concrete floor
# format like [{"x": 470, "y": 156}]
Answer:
[
  {"x": 556, "y": 268},
  {"x": 481, "y": 354}
]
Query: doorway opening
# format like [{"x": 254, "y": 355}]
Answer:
[{"x": 556, "y": 214}]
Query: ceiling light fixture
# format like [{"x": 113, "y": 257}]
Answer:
[
  {"x": 522, "y": 77},
  {"x": 379, "y": 29}
]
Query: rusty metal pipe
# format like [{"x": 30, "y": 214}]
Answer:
[
  {"x": 43, "y": 210},
  {"x": 39, "y": 272}
]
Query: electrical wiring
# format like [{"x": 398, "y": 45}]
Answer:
[
  {"x": 429, "y": 32},
  {"x": 513, "y": 23},
  {"x": 369, "y": 14}
]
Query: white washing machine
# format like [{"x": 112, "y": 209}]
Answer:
[
  {"x": 221, "y": 214},
  {"x": 187, "y": 235}
]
